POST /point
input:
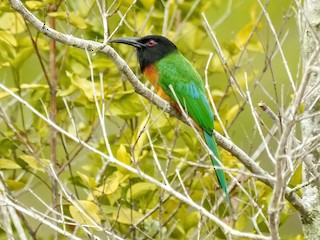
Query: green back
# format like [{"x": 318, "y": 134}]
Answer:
[{"x": 176, "y": 70}]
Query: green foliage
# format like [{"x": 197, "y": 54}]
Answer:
[{"x": 122, "y": 201}]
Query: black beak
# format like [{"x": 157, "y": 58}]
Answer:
[{"x": 129, "y": 41}]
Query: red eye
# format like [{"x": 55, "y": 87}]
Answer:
[{"x": 151, "y": 43}]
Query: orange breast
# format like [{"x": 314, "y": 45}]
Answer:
[{"x": 152, "y": 74}]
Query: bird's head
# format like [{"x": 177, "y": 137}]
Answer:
[{"x": 150, "y": 49}]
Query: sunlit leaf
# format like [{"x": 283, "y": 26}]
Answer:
[
  {"x": 245, "y": 34},
  {"x": 164, "y": 124},
  {"x": 299, "y": 237},
  {"x": 5, "y": 64},
  {"x": 255, "y": 46},
  {"x": 229, "y": 160},
  {"x": 217, "y": 94},
  {"x": 88, "y": 89},
  {"x": 232, "y": 112},
  {"x": 123, "y": 156},
  {"x": 189, "y": 140},
  {"x": 14, "y": 185},
  {"x": 72, "y": 17},
  {"x": 12, "y": 23},
  {"x": 8, "y": 164},
  {"x": 140, "y": 139},
  {"x": 103, "y": 63},
  {"x": 6, "y": 145},
  {"x": 107, "y": 209},
  {"x": 91, "y": 210},
  {"x": 22, "y": 56},
  {"x": 216, "y": 64},
  {"x": 36, "y": 164},
  {"x": 120, "y": 105},
  {"x": 147, "y": 3},
  {"x": 111, "y": 184},
  {"x": 66, "y": 92},
  {"x": 296, "y": 179},
  {"x": 88, "y": 181},
  {"x": 178, "y": 232},
  {"x": 242, "y": 222},
  {"x": 35, "y": 5},
  {"x": 127, "y": 216},
  {"x": 34, "y": 86},
  {"x": 192, "y": 220},
  {"x": 8, "y": 38},
  {"x": 139, "y": 190},
  {"x": 152, "y": 227},
  {"x": 4, "y": 94}
]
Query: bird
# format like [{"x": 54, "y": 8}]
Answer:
[{"x": 166, "y": 68}]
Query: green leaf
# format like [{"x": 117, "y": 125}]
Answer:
[
  {"x": 191, "y": 221},
  {"x": 87, "y": 181},
  {"x": 7, "y": 146},
  {"x": 151, "y": 227},
  {"x": 8, "y": 38},
  {"x": 245, "y": 33},
  {"x": 147, "y": 3},
  {"x": 123, "y": 156},
  {"x": 73, "y": 18},
  {"x": 127, "y": 216},
  {"x": 24, "y": 86},
  {"x": 125, "y": 104},
  {"x": 140, "y": 190},
  {"x": 111, "y": 184},
  {"x": 215, "y": 65},
  {"x": 91, "y": 209},
  {"x": 5, "y": 94},
  {"x": 103, "y": 63},
  {"x": 164, "y": 124},
  {"x": 66, "y": 92},
  {"x": 34, "y": 163},
  {"x": 22, "y": 56},
  {"x": 189, "y": 140},
  {"x": 109, "y": 210},
  {"x": 12, "y": 23},
  {"x": 122, "y": 215},
  {"x": 34, "y": 86},
  {"x": 14, "y": 185},
  {"x": 178, "y": 232},
  {"x": 85, "y": 86},
  {"x": 231, "y": 114},
  {"x": 139, "y": 139},
  {"x": 8, "y": 164},
  {"x": 35, "y": 5}
]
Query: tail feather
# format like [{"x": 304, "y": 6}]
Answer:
[{"x": 220, "y": 174}]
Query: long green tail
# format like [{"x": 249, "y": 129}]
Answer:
[{"x": 220, "y": 174}]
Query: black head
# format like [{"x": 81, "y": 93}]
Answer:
[{"x": 150, "y": 49}]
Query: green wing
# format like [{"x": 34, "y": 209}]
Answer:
[{"x": 176, "y": 70}]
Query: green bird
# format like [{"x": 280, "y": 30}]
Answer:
[{"x": 163, "y": 65}]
